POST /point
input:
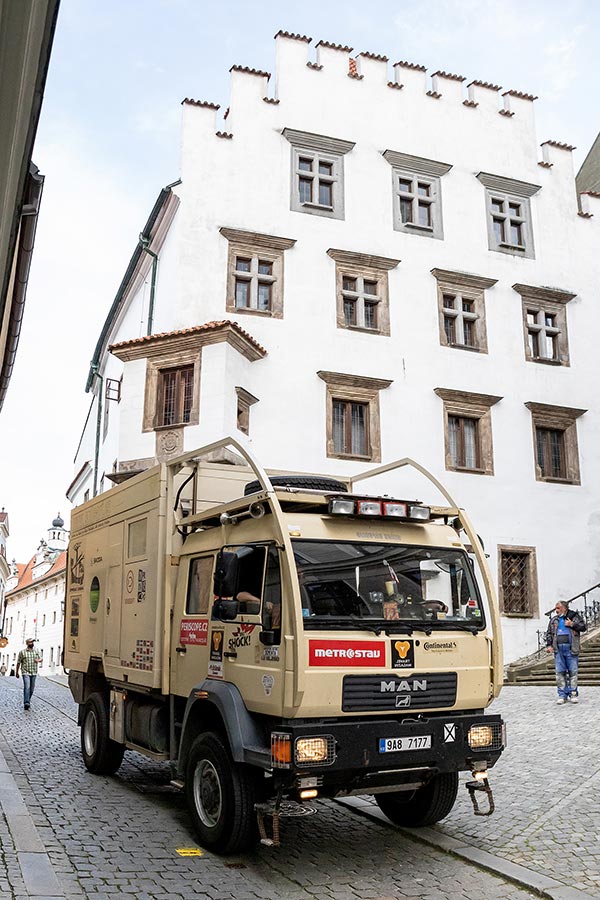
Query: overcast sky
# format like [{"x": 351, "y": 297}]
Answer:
[{"x": 108, "y": 140}]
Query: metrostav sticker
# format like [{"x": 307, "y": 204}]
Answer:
[{"x": 346, "y": 653}]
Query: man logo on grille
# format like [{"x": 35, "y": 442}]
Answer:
[{"x": 403, "y": 701}]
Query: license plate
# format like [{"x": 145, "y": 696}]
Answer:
[{"x": 413, "y": 742}]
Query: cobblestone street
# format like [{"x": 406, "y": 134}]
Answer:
[{"x": 106, "y": 837}]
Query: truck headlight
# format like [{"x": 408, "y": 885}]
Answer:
[
  {"x": 315, "y": 751},
  {"x": 480, "y": 736}
]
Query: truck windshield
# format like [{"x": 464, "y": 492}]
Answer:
[{"x": 355, "y": 585}]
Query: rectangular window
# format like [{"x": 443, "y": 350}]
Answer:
[
  {"x": 136, "y": 538},
  {"x": 362, "y": 290},
  {"x": 200, "y": 586},
  {"x": 518, "y": 595},
  {"x": 350, "y": 428},
  {"x": 508, "y": 212},
  {"x": 360, "y": 299},
  {"x": 317, "y": 182},
  {"x": 464, "y": 442},
  {"x": 550, "y": 450},
  {"x": 543, "y": 335},
  {"x": 316, "y": 176},
  {"x": 175, "y": 396}
]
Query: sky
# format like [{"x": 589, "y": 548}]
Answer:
[{"x": 108, "y": 141}]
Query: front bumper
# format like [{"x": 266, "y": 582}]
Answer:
[{"x": 359, "y": 766}]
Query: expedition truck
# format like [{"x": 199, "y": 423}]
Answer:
[{"x": 279, "y": 638}]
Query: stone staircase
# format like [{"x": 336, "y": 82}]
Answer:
[{"x": 541, "y": 669}]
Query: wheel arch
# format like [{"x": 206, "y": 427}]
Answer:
[{"x": 221, "y": 708}]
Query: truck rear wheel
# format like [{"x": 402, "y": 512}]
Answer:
[
  {"x": 427, "y": 805},
  {"x": 221, "y": 795},
  {"x": 100, "y": 755}
]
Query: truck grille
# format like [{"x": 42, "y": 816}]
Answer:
[{"x": 401, "y": 692}]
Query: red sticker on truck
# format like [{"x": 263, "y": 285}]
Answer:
[
  {"x": 346, "y": 653},
  {"x": 194, "y": 631}
]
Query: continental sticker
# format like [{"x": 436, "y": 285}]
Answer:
[
  {"x": 439, "y": 646},
  {"x": 360, "y": 654}
]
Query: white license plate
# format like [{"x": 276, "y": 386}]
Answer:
[{"x": 414, "y": 742}]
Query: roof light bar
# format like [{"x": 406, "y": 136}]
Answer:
[{"x": 369, "y": 506}]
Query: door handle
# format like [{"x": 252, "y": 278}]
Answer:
[
  {"x": 180, "y": 649},
  {"x": 107, "y": 605}
]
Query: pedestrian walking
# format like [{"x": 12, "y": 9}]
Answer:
[
  {"x": 28, "y": 661},
  {"x": 562, "y": 639},
  {"x": 2, "y": 669}
]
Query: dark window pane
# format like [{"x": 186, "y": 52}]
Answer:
[
  {"x": 550, "y": 320},
  {"x": 264, "y": 296},
  {"x": 339, "y": 426},
  {"x": 325, "y": 193},
  {"x": 265, "y": 267},
  {"x": 169, "y": 397},
  {"x": 534, "y": 344},
  {"x": 350, "y": 312},
  {"x": 449, "y": 301},
  {"x": 305, "y": 190},
  {"x": 325, "y": 168},
  {"x": 449, "y": 328},
  {"x": 551, "y": 346},
  {"x": 370, "y": 287},
  {"x": 532, "y": 317},
  {"x": 242, "y": 264},
  {"x": 514, "y": 209},
  {"x": 405, "y": 186},
  {"x": 468, "y": 333},
  {"x": 359, "y": 433},
  {"x": 516, "y": 234},
  {"x": 499, "y": 230},
  {"x": 348, "y": 284},
  {"x": 424, "y": 189},
  {"x": 242, "y": 293},
  {"x": 305, "y": 164},
  {"x": 406, "y": 210},
  {"x": 187, "y": 378},
  {"x": 497, "y": 205},
  {"x": 467, "y": 306},
  {"x": 515, "y": 582}
]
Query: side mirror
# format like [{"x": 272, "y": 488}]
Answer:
[
  {"x": 269, "y": 638},
  {"x": 226, "y": 575},
  {"x": 226, "y": 610}
]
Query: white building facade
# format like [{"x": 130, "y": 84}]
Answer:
[
  {"x": 35, "y": 595},
  {"x": 362, "y": 263}
]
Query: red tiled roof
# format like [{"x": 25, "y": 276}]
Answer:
[
  {"x": 195, "y": 329},
  {"x": 25, "y": 571}
]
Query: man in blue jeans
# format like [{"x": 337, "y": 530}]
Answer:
[
  {"x": 28, "y": 661},
  {"x": 562, "y": 639}
]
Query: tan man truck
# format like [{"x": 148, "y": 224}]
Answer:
[{"x": 280, "y": 638}]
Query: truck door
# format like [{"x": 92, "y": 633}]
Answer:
[
  {"x": 190, "y": 622},
  {"x": 114, "y": 594}
]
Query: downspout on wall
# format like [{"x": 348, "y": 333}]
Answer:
[
  {"x": 100, "y": 381},
  {"x": 145, "y": 245}
]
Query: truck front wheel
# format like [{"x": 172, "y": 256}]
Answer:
[
  {"x": 221, "y": 795},
  {"x": 100, "y": 755},
  {"x": 427, "y": 805}
]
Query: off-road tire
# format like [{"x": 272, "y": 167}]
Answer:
[
  {"x": 101, "y": 755},
  {"x": 310, "y": 483},
  {"x": 427, "y": 805},
  {"x": 221, "y": 795}
]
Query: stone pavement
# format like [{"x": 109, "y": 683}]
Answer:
[{"x": 67, "y": 834}]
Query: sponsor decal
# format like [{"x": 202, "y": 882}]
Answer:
[
  {"x": 215, "y": 669},
  {"x": 270, "y": 654},
  {"x": 267, "y": 682},
  {"x": 242, "y": 636},
  {"x": 346, "y": 653},
  {"x": 77, "y": 567},
  {"x": 129, "y": 582},
  {"x": 194, "y": 631},
  {"x": 404, "y": 686},
  {"x": 449, "y": 733},
  {"x": 440, "y": 646},
  {"x": 141, "y": 588},
  {"x": 216, "y": 646},
  {"x": 403, "y": 655}
]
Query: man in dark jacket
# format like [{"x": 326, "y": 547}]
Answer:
[{"x": 562, "y": 639}]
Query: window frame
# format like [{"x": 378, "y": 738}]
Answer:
[
  {"x": 257, "y": 248},
  {"x": 463, "y": 287},
  {"x": 532, "y": 587},
  {"x": 182, "y": 401},
  {"x": 365, "y": 268},
  {"x": 563, "y": 419},
  {"x": 509, "y": 191},
  {"x": 546, "y": 301},
  {"x": 416, "y": 169},
  {"x": 244, "y": 401},
  {"x": 468, "y": 405},
  {"x": 354, "y": 389},
  {"x": 320, "y": 149}
]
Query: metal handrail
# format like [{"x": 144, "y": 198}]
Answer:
[{"x": 590, "y": 612}]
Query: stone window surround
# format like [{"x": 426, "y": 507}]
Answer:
[
  {"x": 469, "y": 287},
  {"x": 532, "y": 578},
  {"x": 559, "y": 418},
  {"x": 327, "y": 149},
  {"x": 472, "y": 406},
  {"x": 252, "y": 244},
  {"x": 244, "y": 401},
  {"x": 358, "y": 389},
  {"x": 550, "y": 300},
  {"x": 372, "y": 268},
  {"x": 511, "y": 190},
  {"x": 430, "y": 171}
]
